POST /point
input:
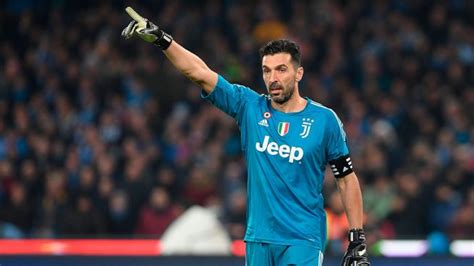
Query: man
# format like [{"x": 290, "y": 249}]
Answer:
[{"x": 288, "y": 140}]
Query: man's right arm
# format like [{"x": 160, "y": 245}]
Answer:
[
  {"x": 191, "y": 66},
  {"x": 186, "y": 62}
]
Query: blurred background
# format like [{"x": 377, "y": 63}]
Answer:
[{"x": 102, "y": 138}]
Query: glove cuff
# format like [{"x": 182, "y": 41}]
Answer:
[
  {"x": 356, "y": 235},
  {"x": 164, "y": 41}
]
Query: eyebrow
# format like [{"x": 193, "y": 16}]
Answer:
[{"x": 278, "y": 66}]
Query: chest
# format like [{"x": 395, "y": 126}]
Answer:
[{"x": 286, "y": 135}]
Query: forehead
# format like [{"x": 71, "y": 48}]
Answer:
[{"x": 276, "y": 60}]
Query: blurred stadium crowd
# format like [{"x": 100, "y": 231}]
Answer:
[{"x": 103, "y": 138}]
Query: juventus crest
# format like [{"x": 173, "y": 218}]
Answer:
[{"x": 307, "y": 122}]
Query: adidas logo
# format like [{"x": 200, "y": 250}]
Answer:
[{"x": 263, "y": 122}]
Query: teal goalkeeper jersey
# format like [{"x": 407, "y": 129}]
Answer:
[{"x": 286, "y": 156}]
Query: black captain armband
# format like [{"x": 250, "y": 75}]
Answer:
[{"x": 341, "y": 166}]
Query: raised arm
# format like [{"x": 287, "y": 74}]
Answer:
[
  {"x": 191, "y": 66},
  {"x": 186, "y": 62}
]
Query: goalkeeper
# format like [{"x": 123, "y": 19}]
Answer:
[{"x": 288, "y": 140}]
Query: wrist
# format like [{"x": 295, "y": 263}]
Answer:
[
  {"x": 163, "y": 40},
  {"x": 356, "y": 235}
]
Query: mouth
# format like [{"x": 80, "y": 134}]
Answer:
[
  {"x": 275, "y": 92},
  {"x": 275, "y": 88}
]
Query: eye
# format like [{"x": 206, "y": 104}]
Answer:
[{"x": 283, "y": 69}]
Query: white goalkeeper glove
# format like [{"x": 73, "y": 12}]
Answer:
[{"x": 146, "y": 30}]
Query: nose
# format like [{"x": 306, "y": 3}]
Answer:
[{"x": 273, "y": 76}]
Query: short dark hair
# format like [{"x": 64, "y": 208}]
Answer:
[{"x": 282, "y": 46}]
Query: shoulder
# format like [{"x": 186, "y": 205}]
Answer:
[
  {"x": 251, "y": 94},
  {"x": 248, "y": 92},
  {"x": 322, "y": 110},
  {"x": 332, "y": 121},
  {"x": 235, "y": 90}
]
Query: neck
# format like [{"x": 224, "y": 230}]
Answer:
[{"x": 295, "y": 104}]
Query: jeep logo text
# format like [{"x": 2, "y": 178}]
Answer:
[{"x": 284, "y": 151}]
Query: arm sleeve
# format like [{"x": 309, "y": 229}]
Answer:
[
  {"x": 337, "y": 141},
  {"x": 230, "y": 98}
]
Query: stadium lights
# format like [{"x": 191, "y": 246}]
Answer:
[
  {"x": 462, "y": 248},
  {"x": 403, "y": 248}
]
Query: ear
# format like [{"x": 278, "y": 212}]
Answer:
[{"x": 299, "y": 73}]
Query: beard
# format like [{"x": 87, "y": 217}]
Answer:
[{"x": 284, "y": 94}]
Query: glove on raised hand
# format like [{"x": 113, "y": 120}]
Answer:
[{"x": 146, "y": 30}]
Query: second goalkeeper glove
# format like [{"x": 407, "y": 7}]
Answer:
[
  {"x": 146, "y": 30},
  {"x": 356, "y": 254}
]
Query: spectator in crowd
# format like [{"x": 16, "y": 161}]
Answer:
[
  {"x": 235, "y": 215},
  {"x": 119, "y": 218},
  {"x": 200, "y": 188},
  {"x": 18, "y": 210},
  {"x": 461, "y": 224},
  {"x": 82, "y": 219},
  {"x": 155, "y": 216},
  {"x": 51, "y": 205}
]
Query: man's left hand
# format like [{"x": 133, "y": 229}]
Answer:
[{"x": 356, "y": 254}]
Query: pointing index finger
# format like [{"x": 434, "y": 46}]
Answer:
[{"x": 134, "y": 14}]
